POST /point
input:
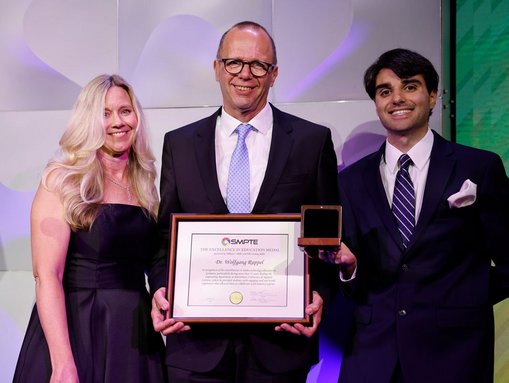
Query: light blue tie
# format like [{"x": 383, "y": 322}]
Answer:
[
  {"x": 403, "y": 201},
  {"x": 237, "y": 192}
]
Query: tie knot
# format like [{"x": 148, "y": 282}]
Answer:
[
  {"x": 242, "y": 131},
  {"x": 405, "y": 161}
]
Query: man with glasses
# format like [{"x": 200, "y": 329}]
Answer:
[{"x": 286, "y": 162}]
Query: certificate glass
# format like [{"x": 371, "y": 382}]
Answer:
[{"x": 237, "y": 268}]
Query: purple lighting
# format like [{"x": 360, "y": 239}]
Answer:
[{"x": 352, "y": 43}]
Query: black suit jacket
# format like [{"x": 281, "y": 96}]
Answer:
[
  {"x": 428, "y": 307},
  {"x": 301, "y": 169}
]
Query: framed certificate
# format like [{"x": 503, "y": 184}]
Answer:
[{"x": 237, "y": 268}]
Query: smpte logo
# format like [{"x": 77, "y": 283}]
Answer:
[
  {"x": 235, "y": 241},
  {"x": 225, "y": 241}
]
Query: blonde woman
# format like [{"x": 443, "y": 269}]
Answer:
[{"x": 92, "y": 232}]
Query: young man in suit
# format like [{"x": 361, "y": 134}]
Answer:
[
  {"x": 429, "y": 238},
  {"x": 291, "y": 163}
]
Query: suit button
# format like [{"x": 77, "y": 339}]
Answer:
[
  {"x": 404, "y": 267},
  {"x": 402, "y": 313}
]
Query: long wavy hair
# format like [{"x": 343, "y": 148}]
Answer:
[{"x": 76, "y": 172}]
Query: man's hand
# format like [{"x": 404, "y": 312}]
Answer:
[
  {"x": 162, "y": 324},
  {"x": 339, "y": 255},
  {"x": 315, "y": 310}
]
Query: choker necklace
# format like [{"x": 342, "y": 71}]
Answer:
[{"x": 126, "y": 188}]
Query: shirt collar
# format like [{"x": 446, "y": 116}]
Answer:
[
  {"x": 262, "y": 122},
  {"x": 419, "y": 153}
]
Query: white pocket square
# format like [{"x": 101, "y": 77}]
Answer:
[{"x": 465, "y": 196}]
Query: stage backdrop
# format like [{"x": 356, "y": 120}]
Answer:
[
  {"x": 482, "y": 108},
  {"x": 50, "y": 48}
]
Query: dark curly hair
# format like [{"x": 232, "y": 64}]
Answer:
[{"x": 404, "y": 63}]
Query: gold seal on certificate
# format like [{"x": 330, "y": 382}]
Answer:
[{"x": 236, "y": 297}]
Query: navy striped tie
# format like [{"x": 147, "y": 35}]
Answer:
[{"x": 403, "y": 201}]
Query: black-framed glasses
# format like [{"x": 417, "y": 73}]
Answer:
[{"x": 257, "y": 68}]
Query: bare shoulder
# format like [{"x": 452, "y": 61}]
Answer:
[{"x": 47, "y": 206}]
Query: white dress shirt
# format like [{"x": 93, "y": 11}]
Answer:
[
  {"x": 420, "y": 155},
  {"x": 258, "y": 145}
]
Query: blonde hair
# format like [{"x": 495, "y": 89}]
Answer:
[{"x": 76, "y": 172}]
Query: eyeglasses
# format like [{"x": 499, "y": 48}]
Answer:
[{"x": 257, "y": 68}]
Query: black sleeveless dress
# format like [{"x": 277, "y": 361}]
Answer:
[{"x": 108, "y": 307}]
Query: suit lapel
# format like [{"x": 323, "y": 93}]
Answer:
[
  {"x": 280, "y": 147},
  {"x": 378, "y": 195},
  {"x": 205, "y": 152},
  {"x": 440, "y": 169}
]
